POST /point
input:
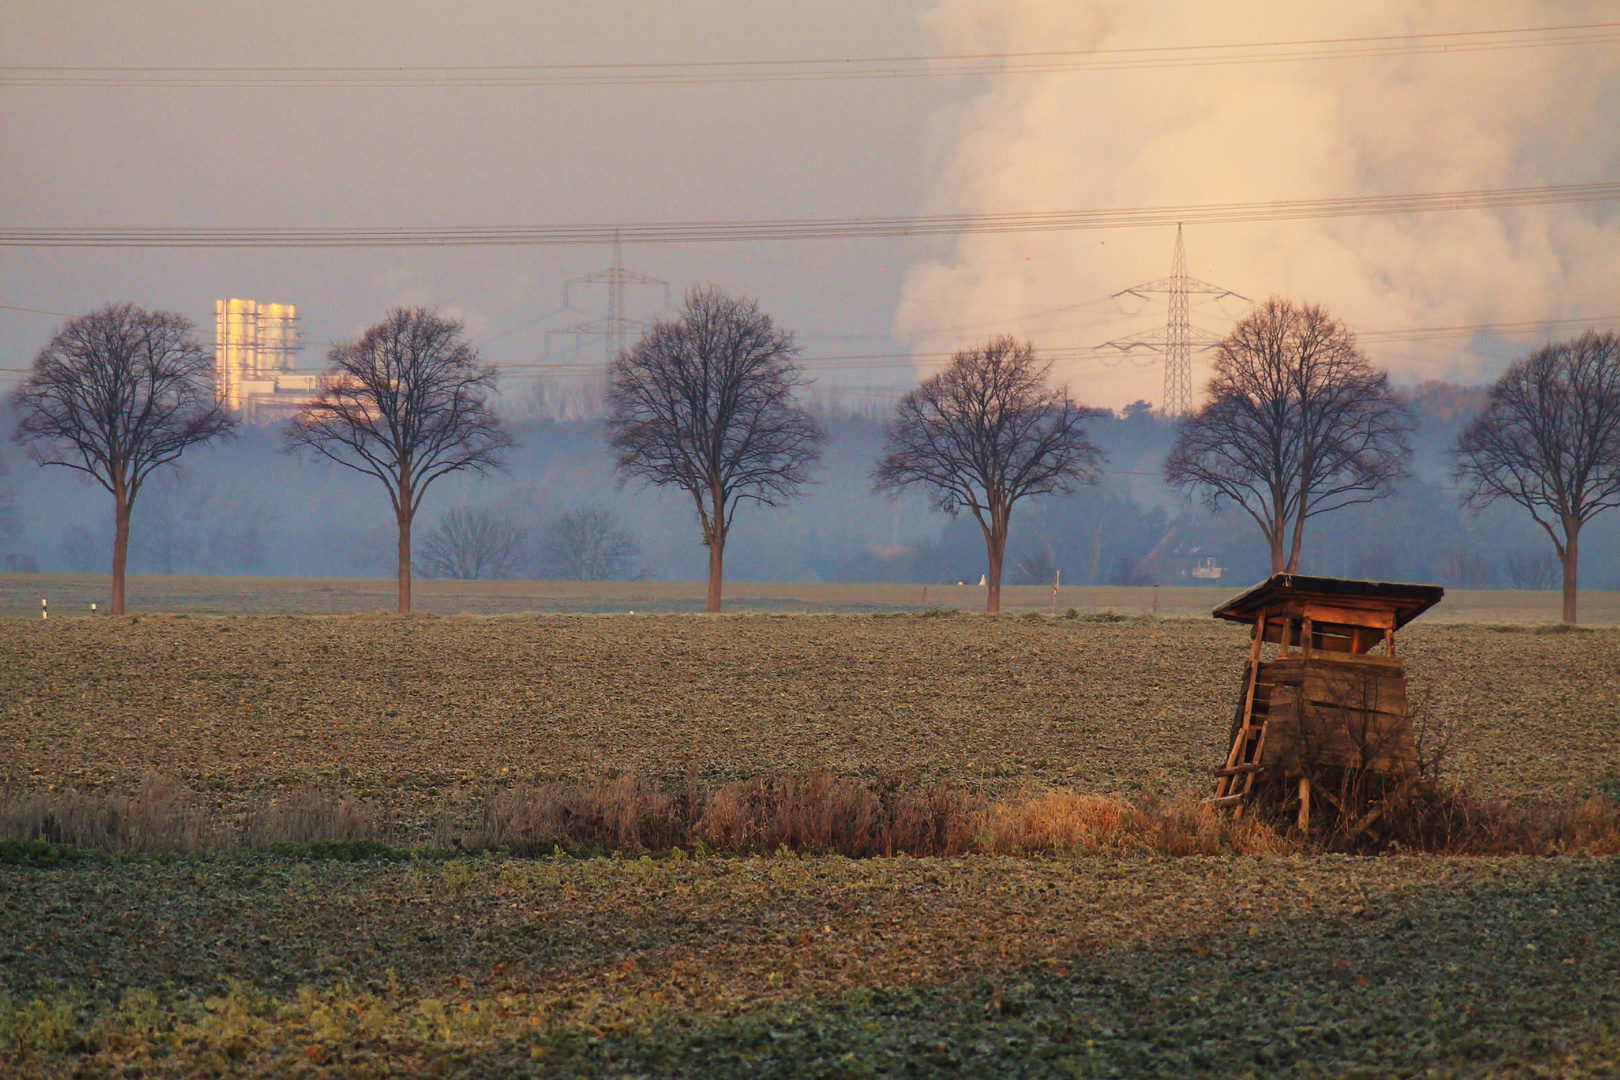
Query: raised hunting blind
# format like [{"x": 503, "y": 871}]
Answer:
[{"x": 1325, "y": 709}]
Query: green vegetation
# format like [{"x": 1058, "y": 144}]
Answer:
[{"x": 814, "y": 967}]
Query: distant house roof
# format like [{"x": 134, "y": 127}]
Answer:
[{"x": 1406, "y": 601}]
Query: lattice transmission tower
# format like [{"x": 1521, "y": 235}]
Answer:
[
  {"x": 614, "y": 329},
  {"x": 1180, "y": 338}
]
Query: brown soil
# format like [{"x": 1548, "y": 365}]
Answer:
[{"x": 424, "y": 713}]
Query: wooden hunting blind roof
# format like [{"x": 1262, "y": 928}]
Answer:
[{"x": 1404, "y": 601}]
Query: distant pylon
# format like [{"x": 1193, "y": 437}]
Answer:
[
  {"x": 1179, "y": 339},
  {"x": 615, "y": 329}
]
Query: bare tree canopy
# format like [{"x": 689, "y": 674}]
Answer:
[
  {"x": 476, "y": 543},
  {"x": 1298, "y": 423},
  {"x": 408, "y": 403},
  {"x": 706, "y": 402},
  {"x": 1549, "y": 440},
  {"x": 588, "y": 543},
  {"x": 116, "y": 394},
  {"x": 986, "y": 432}
]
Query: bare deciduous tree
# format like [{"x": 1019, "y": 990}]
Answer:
[
  {"x": 984, "y": 433},
  {"x": 174, "y": 519},
  {"x": 79, "y": 550},
  {"x": 705, "y": 402},
  {"x": 1549, "y": 440},
  {"x": 1298, "y": 423},
  {"x": 587, "y": 544},
  {"x": 476, "y": 543},
  {"x": 1531, "y": 569},
  {"x": 240, "y": 538},
  {"x": 12, "y": 562},
  {"x": 1464, "y": 570},
  {"x": 407, "y": 403},
  {"x": 116, "y": 394}
]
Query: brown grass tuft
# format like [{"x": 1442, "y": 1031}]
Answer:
[
  {"x": 627, "y": 814},
  {"x": 1062, "y": 822},
  {"x": 310, "y": 814},
  {"x": 160, "y": 816},
  {"x": 1452, "y": 821},
  {"x": 814, "y": 813}
]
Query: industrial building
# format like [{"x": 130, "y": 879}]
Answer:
[{"x": 254, "y": 347}]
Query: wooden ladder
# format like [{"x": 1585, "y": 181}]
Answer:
[{"x": 1233, "y": 781}]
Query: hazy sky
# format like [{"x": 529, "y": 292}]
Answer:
[{"x": 594, "y": 154}]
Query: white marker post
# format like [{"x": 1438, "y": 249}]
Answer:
[{"x": 44, "y": 608}]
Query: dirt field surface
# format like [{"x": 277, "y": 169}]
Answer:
[
  {"x": 72, "y": 594},
  {"x": 424, "y": 713},
  {"x": 1323, "y": 966}
]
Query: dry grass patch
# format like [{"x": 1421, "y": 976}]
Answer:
[{"x": 814, "y": 814}]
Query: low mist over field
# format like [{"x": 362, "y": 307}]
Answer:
[{"x": 246, "y": 508}]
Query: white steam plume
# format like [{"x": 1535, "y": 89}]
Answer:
[{"x": 1259, "y": 131}]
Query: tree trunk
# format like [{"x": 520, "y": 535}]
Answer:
[
  {"x": 1569, "y": 557},
  {"x": 120, "y": 546},
  {"x": 995, "y": 548},
  {"x": 404, "y": 563},
  {"x": 717, "y": 552},
  {"x": 1295, "y": 545}
]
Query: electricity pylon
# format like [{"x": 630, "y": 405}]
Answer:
[
  {"x": 1179, "y": 339},
  {"x": 614, "y": 330}
]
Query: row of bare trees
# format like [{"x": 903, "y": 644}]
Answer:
[
  {"x": 706, "y": 402},
  {"x": 1298, "y": 423},
  {"x": 121, "y": 392},
  {"x": 586, "y": 543}
]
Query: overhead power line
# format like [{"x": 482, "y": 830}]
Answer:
[
  {"x": 813, "y": 69},
  {"x": 778, "y": 229},
  {"x": 34, "y": 311},
  {"x": 899, "y": 360},
  {"x": 1107, "y": 355}
]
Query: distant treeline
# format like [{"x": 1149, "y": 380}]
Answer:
[{"x": 244, "y": 507}]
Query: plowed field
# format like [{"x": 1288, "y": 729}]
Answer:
[
  {"x": 423, "y": 713},
  {"x": 286, "y": 965}
]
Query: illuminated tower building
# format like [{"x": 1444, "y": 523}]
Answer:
[{"x": 254, "y": 345}]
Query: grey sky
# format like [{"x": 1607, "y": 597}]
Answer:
[
  {"x": 590, "y": 154},
  {"x": 424, "y": 156}
]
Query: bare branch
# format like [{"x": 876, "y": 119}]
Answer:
[
  {"x": 706, "y": 403},
  {"x": 984, "y": 433},
  {"x": 408, "y": 403},
  {"x": 1298, "y": 423},
  {"x": 116, "y": 394}
]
